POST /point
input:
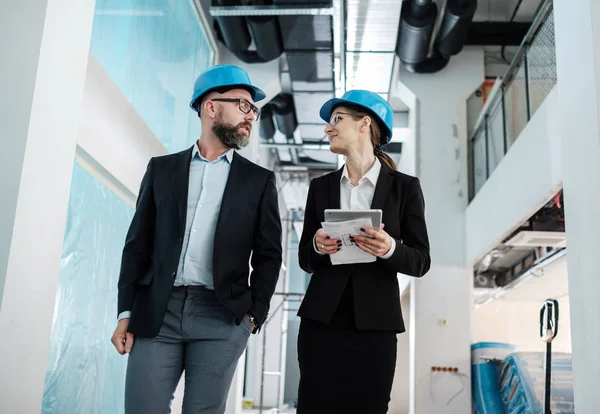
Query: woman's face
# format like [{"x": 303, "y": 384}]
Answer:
[{"x": 343, "y": 131}]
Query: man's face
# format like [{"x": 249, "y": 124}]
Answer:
[{"x": 232, "y": 126}]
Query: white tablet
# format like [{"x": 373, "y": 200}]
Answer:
[{"x": 333, "y": 215}]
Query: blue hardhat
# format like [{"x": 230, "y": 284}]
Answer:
[
  {"x": 371, "y": 103},
  {"x": 224, "y": 75}
]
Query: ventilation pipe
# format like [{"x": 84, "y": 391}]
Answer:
[
  {"x": 455, "y": 27},
  {"x": 417, "y": 21},
  {"x": 234, "y": 33},
  {"x": 282, "y": 108},
  {"x": 267, "y": 126},
  {"x": 285, "y": 114}
]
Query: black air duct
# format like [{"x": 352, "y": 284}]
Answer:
[
  {"x": 455, "y": 27},
  {"x": 267, "y": 126},
  {"x": 282, "y": 107},
  {"x": 414, "y": 33},
  {"x": 417, "y": 21},
  {"x": 285, "y": 114},
  {"x": 233, "y": 32}
]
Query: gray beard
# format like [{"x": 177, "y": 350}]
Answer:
[{"x": 229, "y": 136}]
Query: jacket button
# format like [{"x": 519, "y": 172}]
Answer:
[
  {"x": 173, "y": 274},
  {"x": 181, "y": 240}
]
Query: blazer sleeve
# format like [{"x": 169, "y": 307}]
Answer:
[
  {"x": 411, "y": 256},
  {"x": 309, "y": 259},
  {"x": 267, "y": 253},
  {"x": 137, "y": 252}
]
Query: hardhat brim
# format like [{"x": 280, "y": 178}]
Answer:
[
  {"x": 330, "y": 105},
  {"x": 257, "y": 93}
]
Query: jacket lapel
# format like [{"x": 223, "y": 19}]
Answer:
[
  {"x": 382, "y": 189},
  {"x": 180, "y": 179},
  {"x": 235, "y": 181},
  {"x": 334, "y": 189}
]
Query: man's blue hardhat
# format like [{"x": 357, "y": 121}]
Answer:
[
  {"x": 224, "y": 75},
  {"x": 371, "y": 103}
]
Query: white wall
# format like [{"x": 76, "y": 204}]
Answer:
[
  {"x": 517, "y": 322},
  {"x": 578, "y": 70},
  {"x": 444, "y": 294},
  {"x": 45, "y": 52},
  {"x": 400, "y": 396},
  {"x": 529, "y": 174}
]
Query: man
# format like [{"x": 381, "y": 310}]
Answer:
[{"x": 184, "y": 300}]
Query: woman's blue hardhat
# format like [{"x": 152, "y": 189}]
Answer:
[{"x": 371, "y": 103}]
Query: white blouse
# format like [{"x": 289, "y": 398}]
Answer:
[{"x": 360, "y": 197}]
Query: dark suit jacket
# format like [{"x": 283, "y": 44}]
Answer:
[
  {"x": 248, "y": 223},
  {"x": 375, "y": 285}
]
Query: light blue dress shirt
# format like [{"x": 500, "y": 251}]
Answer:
[{"x": 205, "y": 193}]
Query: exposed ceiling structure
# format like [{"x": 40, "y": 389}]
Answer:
[
  {"x": 326, "y": 47},
  {"x": 540, "y": 239}
]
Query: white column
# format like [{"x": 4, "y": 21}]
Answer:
[
  {"x": 44, "y": 49},
  {"x": 441, "y": 301},
  {"x": 577, "y": 28}
]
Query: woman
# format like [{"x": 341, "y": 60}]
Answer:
[{"x": 351, "y": 313}]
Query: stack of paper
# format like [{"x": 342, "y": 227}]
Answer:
[{"x": 349, "y": 252}]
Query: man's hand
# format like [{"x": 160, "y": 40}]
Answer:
[
  {"x": 252, "y": 325},
  {"x": 121, "y": 339}
]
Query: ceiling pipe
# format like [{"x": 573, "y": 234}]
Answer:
[
  {"x": 233, "y": 32},
  {"x": 416, "y": 29}
]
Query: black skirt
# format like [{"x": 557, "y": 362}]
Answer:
[{"x": 342, "y": 369}]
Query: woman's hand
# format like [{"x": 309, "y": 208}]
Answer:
[
  {"x": 325, "y": 244},
  {"x": 378, "y": 245}
]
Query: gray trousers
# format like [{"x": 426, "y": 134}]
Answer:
[{"x": 199, "y": 337}]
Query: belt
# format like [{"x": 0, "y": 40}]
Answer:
[{"x": 186, "y": 289}]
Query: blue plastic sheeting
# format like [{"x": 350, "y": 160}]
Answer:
[
  {"x": 522, "y": 383},
  {"x": 486, "y": 359},
  {"x": 153, "y": 50},
  {"x": 85, "y": 374}
]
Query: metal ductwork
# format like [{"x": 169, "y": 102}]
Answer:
[
  {"x": 455, "y": 27},
  {"x": 282, "y": 108},
  {"x": 237, "y": 33},
  {"x": 267, "y": 126},
  {"x": 416, "y": 29}
]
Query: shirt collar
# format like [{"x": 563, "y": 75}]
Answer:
[
  {"x": 228, "y": 155},
  {"x": 372, "y": 175}
]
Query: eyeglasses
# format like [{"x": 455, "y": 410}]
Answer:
[
  {"x": 243, "y": 104},
  {"x": 335, "y": 119}
]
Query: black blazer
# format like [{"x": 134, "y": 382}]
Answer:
[
  {"x": 248, "y": 223},
  {"x": 375, "y": 285}
]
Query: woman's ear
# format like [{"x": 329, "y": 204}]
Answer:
[{"x": 365, "y": 123}]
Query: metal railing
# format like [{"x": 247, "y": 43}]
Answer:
[{"x": 514, "y": 99}]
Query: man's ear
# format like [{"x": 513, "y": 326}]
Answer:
[{"x": 209, "y": 108}]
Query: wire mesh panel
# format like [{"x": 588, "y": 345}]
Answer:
[
  {"x": 479, "y": 159},
  {"x": 527, "y": 83},
  {"x": 515, "y": 105},
  {"x": 495, "y": 134},
  {"x": 541, "y": 63}
]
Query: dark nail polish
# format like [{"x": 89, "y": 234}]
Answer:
[
  {"x": 361, "y": 229},
  {"x": 327, "y": 237}
]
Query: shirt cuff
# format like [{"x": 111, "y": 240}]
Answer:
[
  {"x": 392, "y": 249},
  {"x": 123, "y": 315},
  {"x": 315, "y": 246}
]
